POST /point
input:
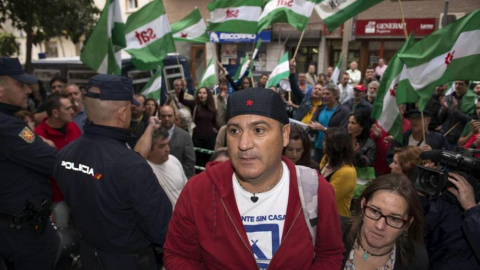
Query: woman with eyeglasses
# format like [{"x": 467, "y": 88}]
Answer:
[{"x": 388, "y": 231}]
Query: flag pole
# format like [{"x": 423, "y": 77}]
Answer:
[
  {"x": 453, "y": 127},
  {"x": 298, "y": 45},
  {"x": 423, "y": 127},
  {"x": 403, "y": 20}
]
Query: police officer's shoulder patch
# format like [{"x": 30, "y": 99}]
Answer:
[{"x": 27, "y": 135}]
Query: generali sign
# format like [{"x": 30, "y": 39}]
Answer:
[{"x": 394, "y": 27}]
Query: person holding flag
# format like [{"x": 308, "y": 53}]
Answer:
[
  {"x": 204, "y": 114},
  {"x": 308, "y": 103}
]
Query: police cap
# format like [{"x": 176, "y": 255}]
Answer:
[
  {"x": 112, "y": 88},
  {"x": 11, "y": 67}
]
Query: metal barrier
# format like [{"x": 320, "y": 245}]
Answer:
[{"x": 204, "y": 151}]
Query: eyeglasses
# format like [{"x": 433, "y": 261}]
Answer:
[{"x": 392, "y": 221}]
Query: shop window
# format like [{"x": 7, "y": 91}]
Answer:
[
  {"x": 51, "y": 49},
  {"x": 306, "y": 55}
]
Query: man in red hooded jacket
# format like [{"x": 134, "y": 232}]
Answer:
[{"x": 246, "y": 213}]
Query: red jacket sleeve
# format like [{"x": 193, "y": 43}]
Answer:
[
  {"x": 181, "y": 249},
  {"x": 329, "y": 249}
]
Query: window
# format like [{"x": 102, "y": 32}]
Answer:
[
  {"x": 80, "y": 77},
  {"x": 172, "y": 73},
  {"x": 44, "y": 75},
  {"x": 139, "y": 79},
  {"x": 51, "y": 49},
  {"x": 132, "y": 5}
]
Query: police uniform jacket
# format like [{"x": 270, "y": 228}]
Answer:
[
  {"x": 116, "y": 200},
  {"x": 25, "y": 162}
]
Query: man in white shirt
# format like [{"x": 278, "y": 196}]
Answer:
[
  {"x": 166, "y": 167},
  {"x": 345, "y": 89},
  {"x": 355, "y": 74}
]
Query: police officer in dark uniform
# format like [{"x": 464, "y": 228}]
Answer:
[
  {"x": 117, "y": 203},
  {"x": 27, "y": 238}
]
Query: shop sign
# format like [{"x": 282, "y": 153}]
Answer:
[
  {"x": 222, "y": 37},
  {"x": 394, "y": 27}
]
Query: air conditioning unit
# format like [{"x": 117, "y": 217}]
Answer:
[{"x": 451, "y": 17}]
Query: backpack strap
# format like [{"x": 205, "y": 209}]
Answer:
[{"x": 307, "y": 180}]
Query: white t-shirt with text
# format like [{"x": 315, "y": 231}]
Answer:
[{"x": 264, "y": 220}]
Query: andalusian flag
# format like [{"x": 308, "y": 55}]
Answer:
[
  {"x": 281, "y": 71},
  {"x": 235, "y": 16},
  {"x": 149, "y": 38},
  {"x": 242, "y": 69},
  {"x": 335, "y": 13},
  {"x": 191, "y": 28},
  {"x": 336, "y": 72},
  {"x": 153, "y": 88},
  {"x": 295, "y": 12},
  {"x": 385, "y": 108},
  {"x": 451, "y": 53},
  {"x": 209, "y": 77},
  {"x": 102, "y": 49}
]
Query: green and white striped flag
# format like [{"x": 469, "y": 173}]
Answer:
[
  {"x": 102, "y": 51},
  {"x": 148, "y": 35},
  {"x": 153, "y": 88},
  {"x": 281, "y": 71},
  {"x": 209, "y": 77},
  {"x": 335, "y": 13},
  {"x": 235, "y": 16},
  {"x": 449, "y": 54},
  {"x": 294, "y": 12},
  {"x": 191, "y": 28},
  {"x": 336, "y": 72},
  {"x": 385, "y": 108},
  {"x": 242, "y": 69}
]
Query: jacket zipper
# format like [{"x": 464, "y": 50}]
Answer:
[
  {"x": 288, "y": 232},
  {"x": 238, "y": 233}
]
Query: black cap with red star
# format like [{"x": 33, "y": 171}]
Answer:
[{"x": 258, "y": 101}]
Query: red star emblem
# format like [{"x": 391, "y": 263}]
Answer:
[
  {"x": 232, "y": 13},
  {"x": 183, "y": 35},
  {"x": 393, "y": 90},
  {"x": 449, "y": 58},
  {"x": 249, "y": 102}
]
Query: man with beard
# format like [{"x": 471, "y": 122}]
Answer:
[
  {"x": 139, "y": 118},
  {"x": 372, "y": 91},
  {"x": 434, "y": 104}
]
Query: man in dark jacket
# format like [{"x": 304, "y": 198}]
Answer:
[
  {"x": 451, "y": 225},
  {"x": 117, "y": 204},
  {"x": 27, "y": 238},
  {"x": 358, "y": 102}
]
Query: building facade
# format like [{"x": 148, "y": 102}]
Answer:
[{"x": 376, "y": 33}]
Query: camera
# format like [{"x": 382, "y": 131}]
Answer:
[{"x": 433, "y": 181}]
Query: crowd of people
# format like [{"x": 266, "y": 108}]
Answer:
[{"x": 299, "y": 178}]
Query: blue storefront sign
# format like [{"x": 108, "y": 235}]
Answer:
[{"x": 222, "y": 37}]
